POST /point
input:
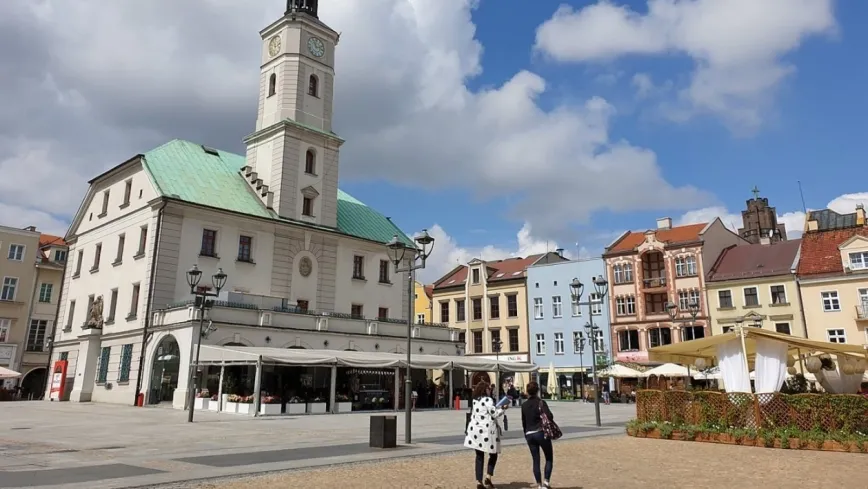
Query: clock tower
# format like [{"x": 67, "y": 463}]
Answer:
[{"x": 293, "y": 152}]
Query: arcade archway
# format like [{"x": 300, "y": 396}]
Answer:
[{"x": 164, "y": 371}]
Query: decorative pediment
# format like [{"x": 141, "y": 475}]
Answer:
[
  {"x": 854, "y": 243},
  {"x": 309, "y": 192}
]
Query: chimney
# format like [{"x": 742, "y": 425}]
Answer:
[
  {"x": 664, "y": 223},
  {"x": 765, "y": 240},
  {"x": 30, "y": 228},
  {"x": 560, "y": 252},
  {"x": 860, "y": 214}
]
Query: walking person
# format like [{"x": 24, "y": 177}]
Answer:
[
  {"x": 532, "y": 411},
  {"x": 484, "y": 432}
]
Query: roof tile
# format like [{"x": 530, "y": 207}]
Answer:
[
  {"x": 677, "y": 234},
  {"x": 755, "y": 261},
  {"x": 820, "y": 254},
  {"x": 510, "y": 268}
]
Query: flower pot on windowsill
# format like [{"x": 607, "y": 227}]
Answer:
[
  {"x": 316, "y": 408},
  {"x": 296, "y": 408},
  {"x": 344, "y": 407},
  {"x": 202, "y": 403}
]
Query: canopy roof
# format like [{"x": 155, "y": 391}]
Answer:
[
  {"x": 243, "y": 355},
  {"x": 6, "y": 373},
  {"x": 687, "y": 352},
  {"x": 668, "y": 370},
  {"x": 620, "y": 372}
]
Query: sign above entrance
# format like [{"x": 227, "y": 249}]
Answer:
[{"x": 506, "y": 358}]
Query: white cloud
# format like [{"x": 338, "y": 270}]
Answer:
[
  {"x": 20, "y": 217},
  {"x": 737, "y": 46},
  {"x": 794, "y": 220},
  {"x": 448, "y": 253},
  {"x": 163, "y": 69}
]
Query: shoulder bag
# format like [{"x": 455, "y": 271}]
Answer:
[{"x": 549, "y": 427}]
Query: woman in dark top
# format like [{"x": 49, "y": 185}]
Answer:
[{"x": 531, "y": 424}]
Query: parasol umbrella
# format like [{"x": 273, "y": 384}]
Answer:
[{"x": 6, "y": 373}]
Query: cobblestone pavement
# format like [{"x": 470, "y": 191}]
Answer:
[{"x": 615, "y": 462}]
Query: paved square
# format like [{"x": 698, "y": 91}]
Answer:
[{"x": 111, "y": 446}]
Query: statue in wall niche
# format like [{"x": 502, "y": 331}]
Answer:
[{"x": 95, "y": 321}]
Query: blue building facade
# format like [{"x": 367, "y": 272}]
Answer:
[{"x": 555, "y": 323}]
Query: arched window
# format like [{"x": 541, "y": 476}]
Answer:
[
  {"x": 310, "y": 162},
  {"x": 272, "y": 84},
  {"x": 313, "y": 86}
]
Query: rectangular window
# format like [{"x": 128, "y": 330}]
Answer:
[
  {"x": 628, "y": 340},
  {"x": 685, "y": 266},
  {"x": 599, "y": 344},
  {"x": 45, "y": 291},
  {"x": 859, "y": 260},
  {"x": 113, "y": 305},
  {"x": 16, "y": 252},
  {"x": 830, "y": 301},
  {"x": 64, "y": 355},
  {"x": 750, "y": 297},
  {"x": 537, "y": 308},
  {"x": 102, "y": 369},
  {"x": 462, "y": 337},
  {"x": 512, "y": 306},
  {"x": 120, "y": 255},
  {"x": 577, "y": 308},
  {"x": 577, "y": 342},
  {"x": 356, "y": 311},
  {"x": 97, "y": 255},
  {"x": 494, "y": 307},
  {"x": 477, "y": 309},
  {"x": 477, "y": 342},
  {"x": 134, "y": 302},
  {"x": 60, "y": 256},
  {"x": 126, "y": 362},
  {"x": 209, "y": 243},
  {"x": 359, "y": 267},
  {"x": 693, "y": 296},
  {"x": 540, "y": 344},
  {"x": 559, "y": 343},
  {"x": 71, "y": 315},
  {"x": 655, "y": 303},
  {"x": 383, "y": 313},
  {"x": 779, "y": 294},
  {"x": 384, "y": 272},
  {"x": 444, "y": 312},
  {"x": 5, "y": 325},
  {"x": 621, "y": 306},
  {"x": 245, "y": 248},
  {"x": 475, "y": 273},
  {"x": 78, "y": 262},
  {"x": 420, "y": 318},
  {"x": 724, "y": 299},
  {"x": 513, "y": 339},
  {"x": 128, "y": 190},
  {"x": 836, "y": 336},
  {"x": 10, "y": 287},
  {"x": 307, "y": 207},
  {"x": 783, "y": 328},
  {"x": 683, "y": 300},
  {"x": 693, "y": 333},
  {"x": 619, "y": 274},
  {"x": 459, "y": 310},
  {"x": 36, "y": 335},
  {"x": 596, "y": 303},
  {"x": 628, "y": 273},
  {"x": 631, "y": 305},
  {"x": 105, "y": 203},
  {"x": 556, "y": 306},
  {"x": 659, "y": 337},
  {"x": 143, "y": 241},
  {"x": 495, "y": 338}
]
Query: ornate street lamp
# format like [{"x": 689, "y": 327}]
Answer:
[
  {"x": 218, "y": 281},
  {"x": 601, "y": 287}
]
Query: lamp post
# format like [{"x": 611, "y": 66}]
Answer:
[
  {"x": 601, "y": 287},
  {"x": 496, "y": 346},
  {"x": 218, "y": 280},
  {"x": 419, "y": 254},
  {"x": 580, "y": 347},
  {"x": 693, "y": 310}
]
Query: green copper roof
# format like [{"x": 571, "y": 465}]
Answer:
[{"x": 186, "y": 171}]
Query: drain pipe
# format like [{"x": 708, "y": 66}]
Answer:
[{"x": 148, "y": 305}]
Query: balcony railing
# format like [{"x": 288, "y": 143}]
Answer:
[
  {"x": 862, "y": 312},
  {"x": 654, "y": 282}
]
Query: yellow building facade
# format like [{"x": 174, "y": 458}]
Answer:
[{"x": 423, "y": 304}]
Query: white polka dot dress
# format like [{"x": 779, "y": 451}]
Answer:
[{"x": 483, "y": 432}]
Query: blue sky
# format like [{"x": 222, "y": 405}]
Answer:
[{"x": 814, "y": 131}]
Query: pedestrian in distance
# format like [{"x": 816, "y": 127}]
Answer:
[{"x": 484, "y": 432}]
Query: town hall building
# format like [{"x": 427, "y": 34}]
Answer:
[{"x": 306, "y": 264}]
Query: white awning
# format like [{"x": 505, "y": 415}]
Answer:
[
  {"x": 245, "y": 355},
  {"x": 668, "y": 370},
  {"x": 620, "y": 372},
  {"x": 6, "y": 373}
]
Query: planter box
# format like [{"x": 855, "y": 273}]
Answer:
[
  {"x": 725, "y": 438},
  {"x": 344, "y": 407},
  {"x": 316, "y": 408},
  {"x": 296, "y": 408},
  {"x": 463, "y": 404},
  {"x": 201, "y": 403},
  {"x": 213, "y": 405},
  {"x": 245, "y": 408},
  {"x": 230, "y": 407},
  {"x": 269, "y": 409}
]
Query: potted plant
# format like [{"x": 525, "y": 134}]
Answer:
[
  {"x": 269, "y": 405},
  {"x": 232, "y": 402},
  {"x": 245, "y": 406},
  {"x": 296, "y": 406},
  {"x": 316, "y": 406},
  {"x": 202, "y": 399},
  {"x": 343, "y": 404},
  {"x": 213, "y": 405}
]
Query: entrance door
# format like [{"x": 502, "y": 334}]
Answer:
[{"x": 164, "y": 374}]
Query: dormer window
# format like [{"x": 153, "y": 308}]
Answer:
[
  {"x": 475, "y": 273},
  {"x": 859, "y": 260},
  {"x": 313, "y": 86},
  {"x": 272, "y": 84},
  {"x": 310, "y": 162}
]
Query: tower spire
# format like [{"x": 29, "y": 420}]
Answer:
[{"x": 304, "y": 6}]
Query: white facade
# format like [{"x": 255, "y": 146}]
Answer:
[{"x": 295, "y": 261}]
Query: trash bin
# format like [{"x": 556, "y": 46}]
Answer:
[{"x": 384, "y": 432}]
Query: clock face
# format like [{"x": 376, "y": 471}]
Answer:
[
  {"x": 274, "y": 46},
  {"x": 316, "y": 47}
]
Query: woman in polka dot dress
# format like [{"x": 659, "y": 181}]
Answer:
[{"x": 484, "y": 432}]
